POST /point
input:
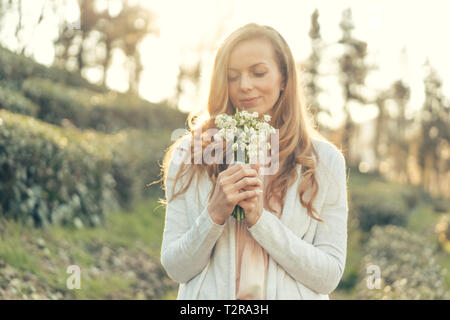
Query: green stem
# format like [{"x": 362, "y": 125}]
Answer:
[{"x": 239, "y": 213}]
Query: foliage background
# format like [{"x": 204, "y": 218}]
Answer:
[{"x": 76, "y": 158}]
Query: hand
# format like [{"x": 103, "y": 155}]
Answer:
[
  {"x": 253, "y": 206},
  {"x": 226, "y": 194}
]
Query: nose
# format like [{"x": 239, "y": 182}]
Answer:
[{"x": 246, "y": 83}]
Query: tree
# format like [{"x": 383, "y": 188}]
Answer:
[
  {"x": 311, "y": 67},
  {"x": 353, "y": 71},
  {"x": 103, "y": 29},
  {"x": 190, "y": 70},
  {"x": 435, "y": 133},
  {"x": 396, "y": 136},
  {"x": 23, "y": 30},
  {"x": 380, "y": 123}
]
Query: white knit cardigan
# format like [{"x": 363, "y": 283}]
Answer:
[{"x": 306, "y": 257}]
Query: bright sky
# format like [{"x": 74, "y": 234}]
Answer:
[{"x": 387, "y": 26}]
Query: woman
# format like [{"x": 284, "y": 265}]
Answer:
[{"x": 292, "y": 243}]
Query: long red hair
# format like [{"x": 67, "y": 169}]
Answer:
[{"x": 290, "y": 116}]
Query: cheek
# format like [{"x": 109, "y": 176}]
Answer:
[
  {"x": 232, "y": 92},
  {"x": 270, "y": 88}
]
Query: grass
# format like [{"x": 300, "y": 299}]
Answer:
[
  {"x": 444, "y": 260},
  {"x": 58, "y": 247},
  {"x": 13, "y": 250},
  {"x": 421, "y": 220},
  {"x": 104, "y": 287},
  {"x": 138, "y": 229},
  {"x": 46, "y": 253}
]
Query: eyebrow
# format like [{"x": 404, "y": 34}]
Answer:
[{"x": 250, "y": 66}]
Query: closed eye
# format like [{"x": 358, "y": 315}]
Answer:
[{"x": 257, "y": 74}]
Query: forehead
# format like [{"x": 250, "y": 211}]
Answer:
[{"x": 248, "y": 53}]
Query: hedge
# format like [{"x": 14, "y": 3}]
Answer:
[
  {"x": 109, "y": 112},
  {"x": 57, "y": 102},
  {"x": 15, "y": 102},
  {"x": 381, "y": 204},
  {"x": 116, "y": 111},
  {"x": 16, "y": 68},
  {"x": 442, "y": 230},
  {"x": 52, "y": 175},
  {"x": 407, "y": 267},
  {"x": 137, "y": 163}
]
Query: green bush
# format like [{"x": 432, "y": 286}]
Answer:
[
  {"x": 407, "y": 265},
  {"x": 54, "y": 175},
  {"x": 50, "y": 171},
  {"x": 57, "y": 102},
  {"x": 16, "y": 68},
  {"x": 109, "y": 113},
  {"x": 136, "y": 163},
  {"x": 378, "y": 204},
  {"x": 116, "y": 111},
  {"x": 354, "y": 256},
  {"x": 412, "y": 195},
  {"x": 442, "y": 229},
  {"x": 441, "y": 204},
  {"x": 15, "y": 102}
]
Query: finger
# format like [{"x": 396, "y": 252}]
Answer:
[
  {"x": 255, "y": 197},
  {"x": 248, "y": 188},
  {"x": 256, "y": 166},
  {"x": 247, "y": 181},
  {"x": 258, "y": 190},
  {"x": 247, "y": 201},
  {"x": 244, "y": 171},
  {"x": 232, "y": 168},
  {"x": 247, "y": 194}
]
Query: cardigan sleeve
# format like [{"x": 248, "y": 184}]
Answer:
[
  {"x": 186, "y": 245},
  {"x": 319, "y": 265}
]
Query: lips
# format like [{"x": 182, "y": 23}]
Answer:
[{"x": 250, "y": 100}]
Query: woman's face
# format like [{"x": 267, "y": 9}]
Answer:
[{"x": 254, "y": 78}]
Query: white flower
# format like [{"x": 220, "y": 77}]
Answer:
[
  {"x": 229, "y": 135},
  {"x": 254, "y": 138},
  {"x": 246, "y": 129},
  {"x": 253, "y": 155}
]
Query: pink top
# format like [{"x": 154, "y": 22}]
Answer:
[{"x": 251, "y": 263}]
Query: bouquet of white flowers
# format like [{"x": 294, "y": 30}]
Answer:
[{"x": 247, "y": 133}]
